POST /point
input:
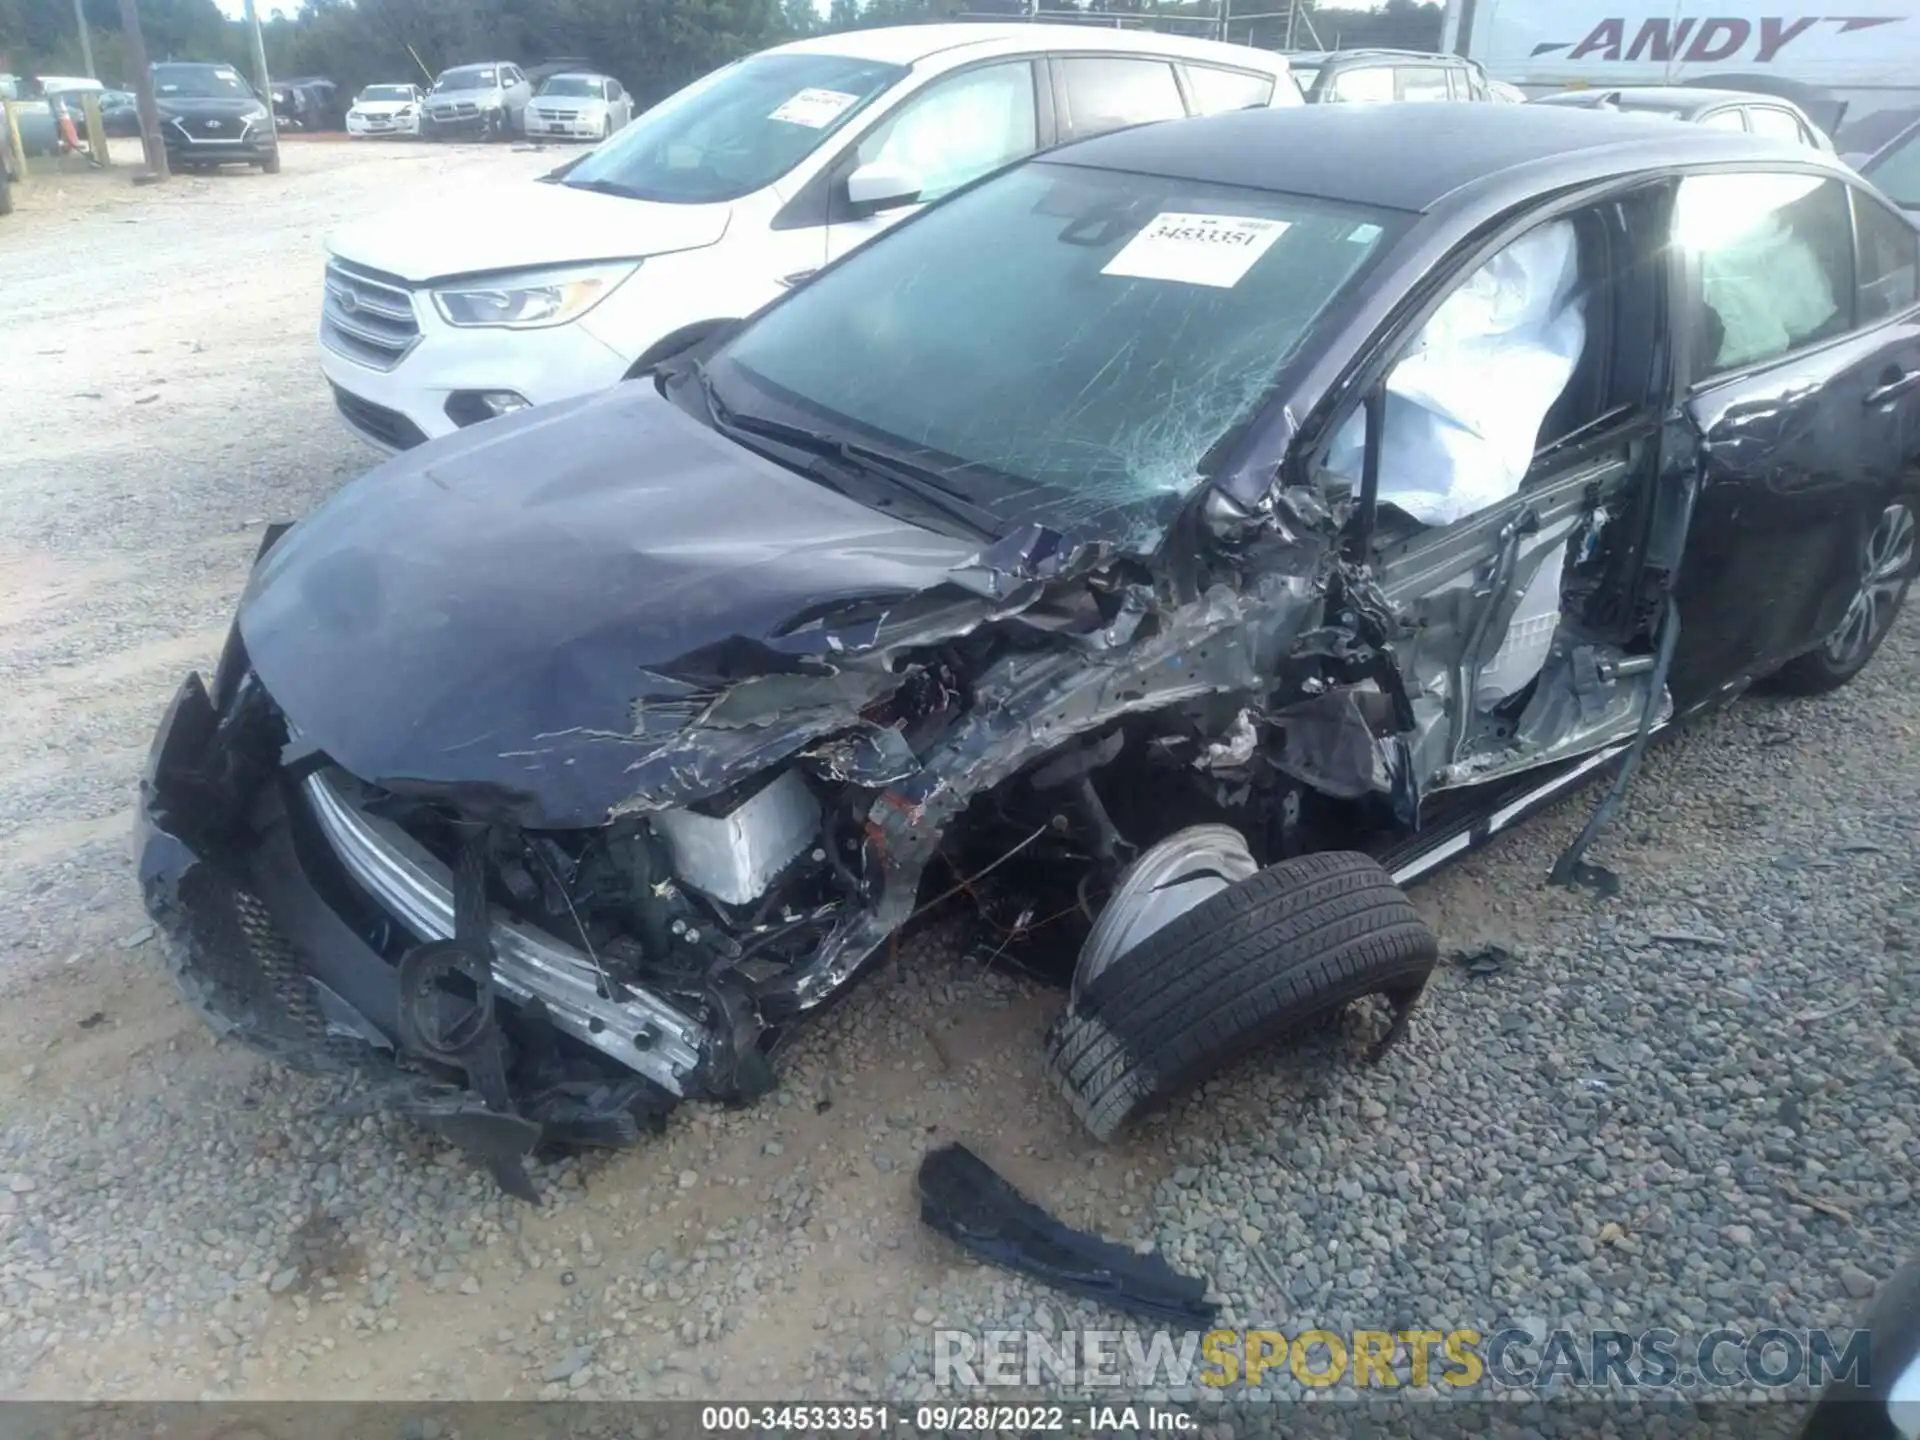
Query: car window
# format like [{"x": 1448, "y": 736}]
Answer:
[
  {"x": 1477, "y": 84},
  {"x": 1771, "y": 120},
  {"x": 1423, "y": 82},
  {"x": 959, "y": 128},
  {"x": 736, "y": 130},
  {"x": 1889, "y": 260},
  {"x": 1067, "y": 341},
  {"x": 1774, "y": 253},
  {"x": 1896, "y": 171},
  {"x": 1724, "y": 120},
  {"x": 1368, "y": 85},
  {"x": 1105, "y": 92},
  {"x": 1216, "y": 90}
]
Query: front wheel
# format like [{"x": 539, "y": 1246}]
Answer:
[
  {"x": 1886, "y": 572},
  {"x": 1258, "y": 960},
  {"x": 271, "y": 165}
]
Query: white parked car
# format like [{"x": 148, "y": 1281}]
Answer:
[
  {"x": 706, "y": 206},
  {"x": 578, "y": 106},
  {"x": 386, "y": 110}
]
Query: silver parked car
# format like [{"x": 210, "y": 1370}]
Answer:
[
  {"x": 579, "y": 106},
  {"x": 481, "y": 102}
]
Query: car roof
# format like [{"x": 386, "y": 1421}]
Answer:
[
  {"x": 909, "y": 44},
  {"x": 1324, "y": 57},
  {"x": 1370, "y": 155}
]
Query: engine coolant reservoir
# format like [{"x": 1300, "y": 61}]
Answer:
[{"x": 1529, "y": 636}]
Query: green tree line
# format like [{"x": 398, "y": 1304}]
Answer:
[{"x": 652, "y": 46}]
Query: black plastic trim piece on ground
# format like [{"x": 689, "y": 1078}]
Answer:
[{"x": 963, "y": 1198}]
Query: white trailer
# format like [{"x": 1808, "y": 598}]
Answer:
[{"x": 1854, "y": 65}]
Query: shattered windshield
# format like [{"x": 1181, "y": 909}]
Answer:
[
  {"x": 1060, "y": 342},
  {"x": 574, "y": 85},
  {"x": 735, "y": 131},
  {"x": 386, "y": 92},
  {"x": 476, "y": 78}
]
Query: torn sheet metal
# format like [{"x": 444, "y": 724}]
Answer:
[{"x": 963, "y": 1198}]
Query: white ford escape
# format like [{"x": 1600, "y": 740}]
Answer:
[{"x": 706, "y": 205}]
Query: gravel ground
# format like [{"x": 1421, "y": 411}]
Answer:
[{"x": 1691, "y": 1105}]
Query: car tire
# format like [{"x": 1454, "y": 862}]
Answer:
[
  {"x": 1248, "y": 966},
  {"x": 271, "y": 165},
  {"x": 6, "y": 191},
  {"x": 1887, "y": 565},
  {"x": 606, "y": 128}
]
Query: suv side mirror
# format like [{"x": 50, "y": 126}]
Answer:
[{"x": 882, "y": 185}]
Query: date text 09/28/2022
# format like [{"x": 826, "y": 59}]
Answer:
[{"x": 942, "y": 1419}]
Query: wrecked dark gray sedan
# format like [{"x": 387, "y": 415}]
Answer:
[{"x": 1160, "y": 551}]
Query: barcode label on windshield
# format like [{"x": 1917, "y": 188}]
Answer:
[
  {"x": 1196, "y": 249},
  {"x": 815, "y": 109}
]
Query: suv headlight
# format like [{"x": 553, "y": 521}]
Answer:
[{"x": 531, "y": 300}]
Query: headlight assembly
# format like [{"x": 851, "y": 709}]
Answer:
[{"x": 531, "y": 300}]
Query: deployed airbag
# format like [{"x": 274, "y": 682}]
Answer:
[{"x": 1466, "y": 402}]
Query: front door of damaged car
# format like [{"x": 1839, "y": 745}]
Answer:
[
  {"x": 1805, "y": 408},
  {"x": 1516, "y": 464}
]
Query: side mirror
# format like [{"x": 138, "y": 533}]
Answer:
[{"x": 882, "y": 185}]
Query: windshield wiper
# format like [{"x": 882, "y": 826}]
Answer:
[{"x": 891, "y": 470}]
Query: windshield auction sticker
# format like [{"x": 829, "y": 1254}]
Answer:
[
  {"x": 1196, "y": 249},
  {"x": 815, "y": 109}
]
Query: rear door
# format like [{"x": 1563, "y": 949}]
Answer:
[
  {"x": 1804, "y": 358},
  {"x": 1097, "y": 93}
]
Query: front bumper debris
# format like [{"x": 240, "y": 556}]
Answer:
[
  {"x": 963, "y": 1198},
  {"x": 299, "y": 950}
]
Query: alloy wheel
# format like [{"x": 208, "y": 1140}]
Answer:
[{"x": 1885, "y": 566}]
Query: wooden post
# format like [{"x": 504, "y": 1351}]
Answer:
[
  {"x": 15, "y": 145},
  {"x": 86, "y": 41},
  {"x": 96, "y": 130},
  {"x": 136, "y": 57}
]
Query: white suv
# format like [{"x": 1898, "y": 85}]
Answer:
[{"x": 704, "y": 207}]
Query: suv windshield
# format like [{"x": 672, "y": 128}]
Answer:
[
  {"x": 199, "y": 82},
  {"x": 1059, "y": 343},
  {"x": 476, "y": 78},
  {"x": 571, "y": 85},
  {"x": 386, "y": 92},
  {"x": 736, "y": 130}
]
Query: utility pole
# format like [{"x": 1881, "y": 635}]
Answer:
[
  {"x": 136, "y": 57},
  {"x": 86, "y": 41},
  {"x": 261, "y": 82}
]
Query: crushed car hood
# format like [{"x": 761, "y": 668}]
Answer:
[
  {"x": 525, "y": 226},
  {"x": 533, "y": 615}
]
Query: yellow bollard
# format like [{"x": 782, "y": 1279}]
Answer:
[{"x": 96, "y": 130}]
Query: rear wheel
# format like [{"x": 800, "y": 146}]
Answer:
[
  {"x": 1259, "y": 960},
  {"x": 1886, "y": 572}
]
